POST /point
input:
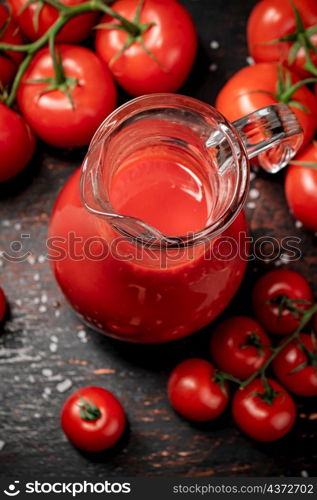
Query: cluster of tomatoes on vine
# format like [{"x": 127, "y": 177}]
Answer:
[{"x": 242, "y": 352}]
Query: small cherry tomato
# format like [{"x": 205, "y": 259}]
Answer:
[
  {"x": 296, "y": 366},
  {"x": 272, "y": 20},
  {"x": 279, "y": 299},
  {"x": 9, "y": 60},
  {"x": 301, "y": 187},
  {"x": 239, "y": 346},
  {"x": 194, "y": 391},
  {"x": 93, "y": 419},
  {"x": 3, "y": 305},
  {"x": 264, "y": 413},
  {"x": 35, "y": 19},
  {"x": 159, "y": 57},
  {"x": 67, "y": 119},
  {"x": 17, "y": 143},
  {"x": 263, "y": 84}
]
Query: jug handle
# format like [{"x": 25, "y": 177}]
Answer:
[{"x": 273, "y": 134}]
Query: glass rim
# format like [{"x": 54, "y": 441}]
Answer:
[{"x": 103, "y": 207}]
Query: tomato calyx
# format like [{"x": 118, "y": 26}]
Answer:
[
  {"x": 135, "y": 31},
  {"x": 60, "y": 81},
  {"x": 300, "y": 39},
  {"x": 283, "y": 301},
  {"x": 285, "y": 89},
  {"x": 88, "y": 411},
  {"x": 269, "y": 394},
  {"x": 254, "y": 340},
  {"x": 310, "y": 355}
]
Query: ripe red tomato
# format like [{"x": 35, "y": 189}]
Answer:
[
  {"x": 301, "y": 187},
  {"x": 9, "y": 60},
  {"x": 276, "y": 297},
  {"x": 17, "y": 143},
  {"x": 3, "y": 305},
  {"x": 93, "y": 419},
  {"x": 296, "y": 366},
  {"x": 51, "y": 114},
  {"x": 172, "y": 41},
  {"x": 75, "y": 30},
  {"x": 273, "y": 19},
  {"x": 237, "y": 346},
  {"x": 264, "y": 417},
  {"x": 248, "y": 91},
  {"x": 194, "y": 391}
]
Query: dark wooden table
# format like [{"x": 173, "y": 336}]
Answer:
[{"x": 45, "y": 351}]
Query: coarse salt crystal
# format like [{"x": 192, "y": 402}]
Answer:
[
  {"x": 214, "y": 44},
  {"x": 53, "y": 347},
  {"x": 254, "y": 194},
  {"x": 64, "y": 385}
]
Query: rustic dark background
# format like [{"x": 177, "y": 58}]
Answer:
[{"x": 45, "y": 351}]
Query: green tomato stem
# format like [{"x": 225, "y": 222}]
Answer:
[
  {"x": 305, "y": 319},
  {"x": 65, "y": 14}
]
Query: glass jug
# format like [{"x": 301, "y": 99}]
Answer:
[{"x": 148, "y": 240}]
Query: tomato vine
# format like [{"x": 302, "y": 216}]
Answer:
[{"x": 134, "y": 29}]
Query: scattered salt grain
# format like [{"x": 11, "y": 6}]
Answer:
[
  {"x": 17, "y": 226},
  {"x": 214, "y": 44},
  {"x": 47, "y": 372},
  {"x": 31, "y": 379},
  {"x": 57, "y": 314},
  {"x": 213, "y": 67},
  {"x": 304, "y": 473},
  {"x": 42, "y": 309},
  {"x": 41, "y": 259},
  {"x": 298, "y": 223},
  {"x": 53, "y": 347},
  {"x": 6, "y": 223},
  {"x": 18, "y": 302},
  {"x": 31, "y": 260},
  {"x": 252, "y": 176},
  {"x": 37, "y": 415},
  {"x": 44, "y": 298},
  {"x": 250, "y": 60},
  {"x": 54, "y": 338},
  {"x": 81, "y": 334},
  {"x": 47, "y": 391},
  {"x": 251, "y": 205},
  {"x": 2, "y": 445},
  {"x": 254, "y": 194},
  {"x": 64, "y": 385},
  {"x": 36, "y": 277}
]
